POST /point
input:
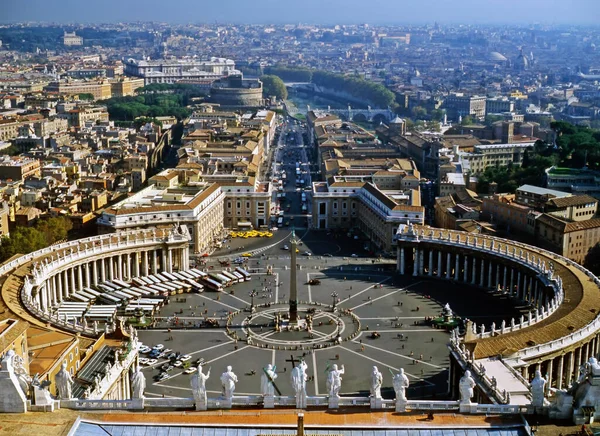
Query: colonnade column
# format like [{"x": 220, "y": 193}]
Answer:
[
  {"x": 136, "y": 264},
  {"x": 504, "y": 280},
  {"x": 57, "y": 294},
  {"x": 549, "y": 369},
  {"x": 111, "y": 268},
  {"x": 439, "y": 264},
  {"x": 72, "y": 277},
  {"x": 58, "y": 285},
  {"x": 87, "y": 275},
  {"x": 512, "y": 281},
  {"x": 169, "y": 267},
  {"x": 519, "y": 284},
  {"x": 421, "y": 261},
  {"x": 482, "y": 274},
  {"x": 489, "y": 274},
  {"x": 466, "y": 272},
  {"x": 155, "y": 262},
  {"x": 474, "y": 272},
  {"x": 456, "y": 263},
  {"x": 119, "y": 258},
  {"x": 401, "y": 263},
  {"x": 448, "y": 267},
  {"x": 559, "y": 374},
  {"x": 128, "y": 264},
  {"x": 570, "y": 368},
  {"x": 102, "y": 270},
  {"x": 430, "y": 268},
  {"x": 497, "y": 277},
  {"x": 80, "y": 276},
  {"x": 144, "y": 263}
]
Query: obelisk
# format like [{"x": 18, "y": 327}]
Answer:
[{"x": 293, "y": 290}]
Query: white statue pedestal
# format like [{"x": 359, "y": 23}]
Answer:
[
  {"x": 137, "y": 404},
  {"x": 300, "y": 401},
  {"x": 269, "y": 402},
  {"x": 201, "y": 404},
  {"x": 43, "y": 400},
  {"x": 468, "y": 407},
  {"x": 333, "y": 402},
  {"x": 12, "y": 399},
  {"x": 401, "y": 406},
  {"x": 226, "y": 403},
  {"x": 376, "y": 403}
]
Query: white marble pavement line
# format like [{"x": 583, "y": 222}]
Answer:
[
  {"x": 398, "y": 354},
  {"x": 219, "y": 302},
  {"x": 309, "y": 288},
  {"x": 398, "y": 290},
  {"x": 375, "y": 299},
  {"x": 273, "y": 358},
  {"x": 364, "y": 290},
  {"x": 410, "y": 331},
  {"x": 386, "y": 365},
  {"x": 204, "y": 331},
  {"x": 276, "y": 288},
  {"x": 247, "y": 303}
]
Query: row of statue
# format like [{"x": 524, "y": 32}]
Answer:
[{"x": 298, "y": 380}]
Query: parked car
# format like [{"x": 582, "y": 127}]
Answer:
[
  {"x": 185, "y": 357},
  {"x": 285, "y": 247},
  {"x": 144, "y": 349},
  {"x": 158, "y": 347},
  {"x": 178, "y": 364},
  {"x": 163, "y": 376},
  {"x": 191, "y": 370}
]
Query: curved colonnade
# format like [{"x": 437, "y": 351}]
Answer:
[
  {"x": 48, "y": 277},
  {"x": 562, "y": 328}
]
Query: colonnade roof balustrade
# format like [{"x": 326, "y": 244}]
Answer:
[{"x": 576, "y": 318}]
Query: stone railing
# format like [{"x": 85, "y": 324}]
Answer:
[
  {"x": 485, "y": 382},
  {"x": 283, "y": 401},
  {"x": 500, "y": 248},
  {"x": 115, "y": 372}
]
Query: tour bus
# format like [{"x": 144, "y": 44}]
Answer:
[
  {"x": 230, "y": 276},
  {"x": 212, "y": 284},
  {"x": 197, "y": 287},
  {"x": 240, "y": 277},
  {"x": 220, "y": 278},
  {"x": 169, "y": 276},
  {"x": 243, "y": 272},
  {"x": 121, "y": 283}
]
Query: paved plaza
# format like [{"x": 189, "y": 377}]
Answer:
[{"x": 393, "y": 306}]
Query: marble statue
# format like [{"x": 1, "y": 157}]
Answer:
[
  {"x": 7, "y": 362},
  {"x": 228, "y": 381},
  {"x": 198, "y": 383},
  {"x": 376, "y": 382},
  {"x": 537, "y": 389},
  {"x": 466, "y": 386},
  {"x": 64, "y": 383},
  {"x": 138, "y": 384},
  {"x": 299, "y": 379},
  {"x": 334, "y": 380},
  {"x": 267, "y": 381},
  {"x": 400, "y": 383}
]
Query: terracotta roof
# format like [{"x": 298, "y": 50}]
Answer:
[
  {"x": 574, "y": 200},
  {"x": 372, "y": 189}
]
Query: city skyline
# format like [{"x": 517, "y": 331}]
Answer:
[{"x": 576, "y": 12}]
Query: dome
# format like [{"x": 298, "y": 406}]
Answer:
[
  {"x": 497, "y": 57},
  {"x": 521, "y": 63}
]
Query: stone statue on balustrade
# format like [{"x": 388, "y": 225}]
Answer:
[
  {"x": 198, "y": 384},
  {"x": 400, "y": 383},
  {"x": 138, "y": 384},
  {"x": 228, "y": 381},
  {"x": 334, "y": 381},
  {"x": 299, "y": 379},
  {"x": 376, "y": 382},
  {"x": 267, "y": 381},
  {"x": 537, "y": 389},
  {"x": 64, "y": 383},
  {"x": 14, "y": 399},
  {"x": 466, "y": 386}
]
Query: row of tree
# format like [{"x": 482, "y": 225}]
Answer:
[
  {"x": 24, "y": 240},
  {"x": 273, "y": 85},
  {"x": 372, "y": 93},
  {"x": 147, "y": 105}
]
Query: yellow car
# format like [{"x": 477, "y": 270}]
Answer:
[
  {"x": 246, "y": 255},
  {"x": 269, "y": 235},
  {"x": 297, "y": 251}
]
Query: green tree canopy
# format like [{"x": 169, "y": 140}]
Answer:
[{"x": 273, "y": 85}]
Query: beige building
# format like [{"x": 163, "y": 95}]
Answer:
[
  {"x": 71, "y": 39},
  {"x": 18, "y": 168},
  {"x": 100, "y": 89},
  {"x": 485, "y": 156},
  {"x": 572, "y": 208},
  {"x": 172, "y": 196},
  {"x": 352, "y": 204},
  {"x": 125, "y": 86},
  {"x": 570, "y": 239}
]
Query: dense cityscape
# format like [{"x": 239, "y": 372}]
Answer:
[{"x": 280, "y": 203}]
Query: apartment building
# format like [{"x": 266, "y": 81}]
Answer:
[
  {"x": 100, "y": 89},
  {"x": 19, "y": 168},
  {"x": 484, "y": 156}
]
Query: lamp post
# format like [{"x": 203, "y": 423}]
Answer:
[
  {"x": 334, "y": 295},
  {"x": 252, "y": 295}
]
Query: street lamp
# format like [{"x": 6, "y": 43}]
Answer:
[
  {"x": 334, "y": 295},
  {"x": 252, "y": 295}
]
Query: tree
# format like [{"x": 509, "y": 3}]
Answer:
[
  {"x": 273, "y": 85},
  {"x": 86, "y": 96},
  {"x": 467, "y": 121}
]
